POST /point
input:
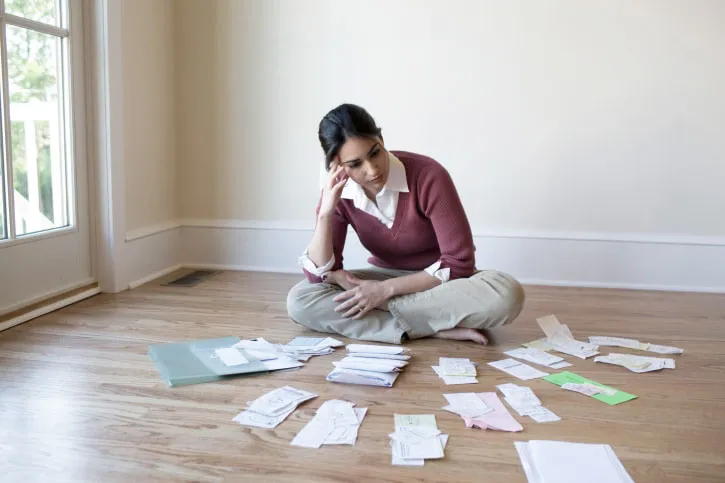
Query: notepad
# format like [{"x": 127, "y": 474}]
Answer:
[{"x": 563, "y": 462}]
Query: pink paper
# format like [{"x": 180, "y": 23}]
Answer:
[{"x": 499, "y": 419}]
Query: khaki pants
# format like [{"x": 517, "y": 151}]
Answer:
[{"x": 486, "y": 300}]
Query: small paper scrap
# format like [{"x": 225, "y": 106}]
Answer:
[
  {"x": 605, "y": 396},
  {"x": 454, "y": 366},
  {"x": 537, "y": 356},
  {"x": 637, "y": 364},
  {"x": 588, "y": 389},
  {"x": 335, "y": 422},
  {"x": 272, "y": 408},
  {"x": 416, "y": 439},
  {"x": 467, "y": 405},
  {"x": 561, "y": 340},
  {"x": 633, "y": 344},
  {"x": 498, "y": 419},
  {"x": 517, "y": 369},
  {"x": 451, "y": 380},
  {"x": 523, "y": 400}
]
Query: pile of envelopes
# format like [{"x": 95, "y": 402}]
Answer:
[{"x": 371, "y": 365}]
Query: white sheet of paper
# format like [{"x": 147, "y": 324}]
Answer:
[
  {"x": 664, "y": 349},
  {"x": 314, "y": 434},
  {"x": 467, "y": 404},
  {"x": 451, "y": 380},
  {"x": 331, "y": 342},
  {"x": 422, "y": 444},
  {"x": 560, "y": 365},
  {"x": 372, "y": 355},
  {"x": 249, "y": 418},
  {"x": 544, "y": 415},
  {"x": 347, "y": 434},
  {"x": 279, "y": 401},
  {"x": 517, "y": 369},
  {"x": 231, "y": 356},
  {"x": 563, "y": 462},
  {"x": 456, "y": 366},
  {"x": 520, "y": 396},
  {"x": 338, "y": 412},
  {"x": 535, "y": 356},
  {"x": 376, "y": 349}
]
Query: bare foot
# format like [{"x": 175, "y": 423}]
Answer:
[{"x": 462, "y": 333}]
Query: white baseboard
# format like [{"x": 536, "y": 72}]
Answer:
[
  {"x": 46, "y": 309},
  {"x": 150, "y": 256},
  {"x": 632, "y": 261},
  {"x": 584, "y": 260}
]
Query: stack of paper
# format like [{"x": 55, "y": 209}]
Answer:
[
  {"x": 269, "y": 410},
  {"x": 637, "y": 363},
  {"x": 371, "y": 365},
  {"x": 488, "y": 412},
  {"x": 517, "y": 369},
  {"x": 560, "y": 339},
  {"x": 562, "y": 462},
  {"x": 525, "y": 402},
  {"x": 303, "y": 348},
  {"x": 456, "y": 370},
  {"x": 575, "y": 382},
  {"x": 634, "y": 344},
  {"x": 272, "y": 357},
  {"x": 336, "y": 422},
  {"x": 538, "y": 357},
  {"x": 416, "y": 439}
]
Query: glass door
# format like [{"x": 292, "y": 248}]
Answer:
[{"x": 45, "y": 247}]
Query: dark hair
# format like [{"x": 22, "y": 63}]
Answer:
[{"x": 344, "y": 122}]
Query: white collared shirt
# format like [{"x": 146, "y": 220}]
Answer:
[{"x": 384, "y": 210}]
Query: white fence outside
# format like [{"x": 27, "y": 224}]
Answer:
[{"x": 29, "y": 217}]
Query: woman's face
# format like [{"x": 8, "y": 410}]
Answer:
[{"x": 365, "y": 160}]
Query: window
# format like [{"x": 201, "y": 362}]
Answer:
[{"x": 36, "y": 161}]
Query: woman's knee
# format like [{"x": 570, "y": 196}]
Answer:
[{"x": 296, "y": 307}]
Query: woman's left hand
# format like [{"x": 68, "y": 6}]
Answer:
[{"x": 362, "y": 298}]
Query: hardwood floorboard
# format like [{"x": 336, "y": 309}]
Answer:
[{"x": 81, "y": 400}]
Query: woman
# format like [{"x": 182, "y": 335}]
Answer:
[{"x": 407, "y": 213}]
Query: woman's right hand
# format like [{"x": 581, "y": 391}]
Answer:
[{"x": 333, "y": 189}]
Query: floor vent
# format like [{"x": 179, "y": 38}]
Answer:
[{"x": 191, "y": 279}]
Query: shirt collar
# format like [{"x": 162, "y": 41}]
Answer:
[{"x": 397, "y": 181}]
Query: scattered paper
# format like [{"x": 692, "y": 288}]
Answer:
[
  {"x": 633, "y": 344},
  {"x": 497, "y": 419},
  {"x": 517, "y": 369},
  {"x": 535, "y": 356},
  {"x": 369, "y": 365},
  {"x": 564, "y": 377},
  {"x": 466, "y": 405},
  {"x": 416, "y": 438},
  {"x": 637, "y": 364},
  {"x": 305, "y": 341},
  {"x": 335, "y": 422},
  {"x": 376, "y": 349},
  {"x": 541, "y": 344},
  {"x": 563, "y": 462},
  {"x": 588, "y": 389},
  {"x": 274, "y": 357},
  {"x": 454, "y": 366},
  {"x": 560, "y": 365},
  {"x": 523, "y": 400},
  {"x": 450, "y": 380},
  {"x": 561, "y": 340},
  {"x": 231, "y": 356},
  {"x": 272, "y": 408}
]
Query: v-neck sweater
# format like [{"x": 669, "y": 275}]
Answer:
[{"x": 430, "y": 225}]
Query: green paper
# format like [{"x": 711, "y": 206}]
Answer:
[{"x": 561, "y": 378}]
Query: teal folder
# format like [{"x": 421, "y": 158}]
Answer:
[{"x": 195, "y": 362}]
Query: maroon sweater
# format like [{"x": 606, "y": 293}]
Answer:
[{"x": 430, "y": 225}]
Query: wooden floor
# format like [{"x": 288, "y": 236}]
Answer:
[{"x": 81, "y": 401}]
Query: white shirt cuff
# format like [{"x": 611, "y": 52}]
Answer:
[
  {"x": 310, "y": 266},
  {"x": 442, "y": 274}
]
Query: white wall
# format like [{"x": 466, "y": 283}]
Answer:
[
  {"x": 585, "y": 137},
  {"x": 564, "y": 116},
  {"x": 149, "y": 113}
]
